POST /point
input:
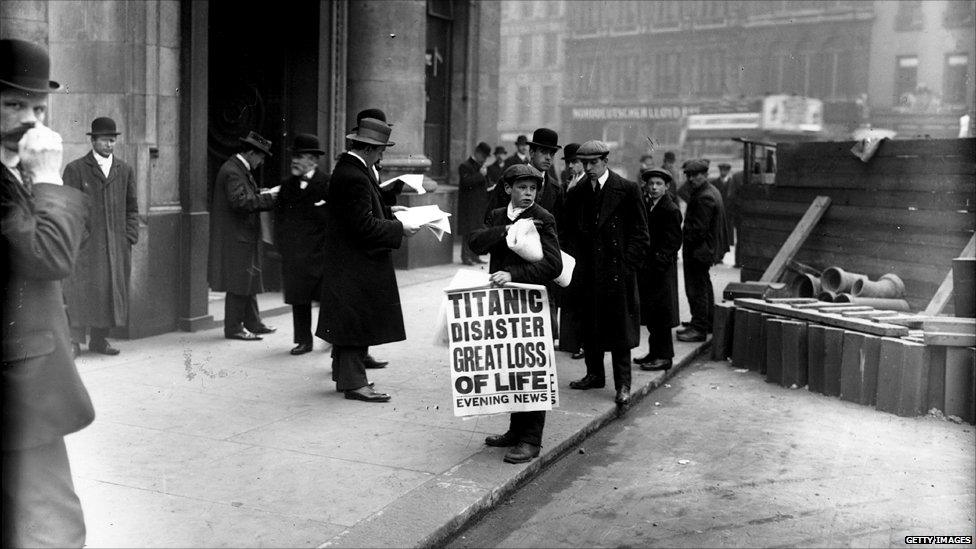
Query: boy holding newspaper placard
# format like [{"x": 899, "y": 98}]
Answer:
[{"x": 516, "y": 261}]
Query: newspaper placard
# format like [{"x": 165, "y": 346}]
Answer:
[{"x": 501, "y": 352}]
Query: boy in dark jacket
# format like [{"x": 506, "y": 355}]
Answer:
[{"x": 521, "y": 183}]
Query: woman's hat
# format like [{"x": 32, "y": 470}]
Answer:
[
  {"x": 545, "y": 138},
  {"x": 103, "y": 125},
  {"x": 372, "y": 132},
  {"x": 306, "y": 143},
  {"x": 26, "y": 66},
  {"x": 259, "y": 143}
]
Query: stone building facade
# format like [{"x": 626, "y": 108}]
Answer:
[{"x": 185, "y": 78}]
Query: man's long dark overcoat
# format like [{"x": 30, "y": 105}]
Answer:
[
  {"x": 360, "y": 299},
  {"x": 300, "y": 218},
  {"x": 43, "y": 396},
  {"x": 472, "y": 197},
  {"x": 235, "y": 230},
  {"x": 657, "y": 280},
  {"x": 705, "y": 239},
  {"x": 607, "y": 234},
  {"x": 97, "y": 292}
]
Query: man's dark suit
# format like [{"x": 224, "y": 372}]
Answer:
[
  {"x": 235, "y": 244},
  {"x": 360, "y": 299},
  {"x": 44, "y": 398},
  {"x": 606, "y": 232},
  {"x": 300, "y": 217},
  {"x": 526, "y": 426},
  {"x": 657, "y": 279},
  {"x": 472, "y": 200},
  {"x": 704, "y": 244}
]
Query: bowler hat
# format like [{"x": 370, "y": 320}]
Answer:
[
  {"x": 483, "y": 148},
  {"x": 306, "y": 143},
  {"x": 103, "y": 125},
  {"x": 371, "y": 113},
  {"x": 656, "y": 172},
  {"x": 544, "y": 138},
  {"x": 26, "y": 66},
  {"x": 695, "y": 166},
  {"x": 569, "y": 153},
  {"x": 500, "y": 150},
  {"x": 521, "y": 171},
  {"x": 521, "y": 140},
  {"x": 372, "y": 131},
  {"x": 258, "y": 143},
  {"x": 592, "y": 149}
]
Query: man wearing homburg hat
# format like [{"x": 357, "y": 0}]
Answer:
[
  {"x": 97, "y": 292},
  {"x": 704, "y": 243},
  {"x": 570, "y": 321},
  {"x": 472, "y": 198},
  {"x": 360, "y": 298},
  {"x": 235, "y": 238},
  {"x": 521, "y": 154},
  {"x": 604, "y": 227},
  {"x": 542, "y": 151},
  {"x": 43, "y": 396},
  {"x": 300, "y": 218}
]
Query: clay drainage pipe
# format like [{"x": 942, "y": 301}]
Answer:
[
  {"x": 805, "y": 285},
  {"x": 876, "y": 302},
  {"x": 889, "y": 286},
  {"x": 837, "y": 280}
]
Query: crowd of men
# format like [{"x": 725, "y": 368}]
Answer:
[{"x": 67, "y": 256}]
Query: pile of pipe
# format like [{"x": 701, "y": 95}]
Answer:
[{"x": 836, "y": 285}]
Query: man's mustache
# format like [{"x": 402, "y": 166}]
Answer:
[{"x": 16, "y": 133}]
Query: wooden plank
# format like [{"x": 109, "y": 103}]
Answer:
[
  {"x": 953, "y": 324},
  {"x": 790, "y": 300},
  {"x": 871, "y": 315},
  {"x": 796, "y": 239},
  {"x": 964, "y": 148},
  {"x": 856, "y": 324},
  {"x": 857, "y": 215},
  {"x": 959, "y": 383},
  {"x": 949, "y": 339},
  {"x": 910, "y": 321},
  {"x": 844, "y": 311},
  {"x": 822, "y": 305},
  {"x": 802, "y": 268},
  {"x": 942, "y": 295}
]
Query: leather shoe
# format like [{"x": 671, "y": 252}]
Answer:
[
  {"x": 371, "y": 363},
  {"x": 371, "y": 385},
  {"x": 657, "y": 364},
  {"x": 262, "y": 329},
  {"x": 367, "y": 394},
  {"x": 588, "y": 382},
  {"x": 500, "y": 441},
  {"x": 578, "y": 355},
  {"x": 691, "y": 335},
  {"x": 644, "y": 359},
  {"x": 623, "y": 396},
  {"x": 301, "y": 349},
  {"x": 522, "y": 453},
  {"x": 103, "y": 348},
  {"x": 243, "y": 335}
]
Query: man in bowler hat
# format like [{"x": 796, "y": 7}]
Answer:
[
  {"x": 472, "y": 198},
  {"x": 44, "y": 398},
  {"x": 542, "y": 151},
  {"x": 604, "y": 226},
  {"x": 360, "y": 298},
  {"x": 300, "y": 218},
  {"x": 235, "y": 238},
  {"x": 521, "y": 154},
  {"x": 97, "y": 292}
]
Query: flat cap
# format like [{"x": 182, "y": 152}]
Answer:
[
  {"x": 656, "y": 172},
  {"x": 724, "y": 166},
  {"x": 521, "y": 171},
  {"x": 592, "y": 149},
  {"x": 695, "y": 166}
]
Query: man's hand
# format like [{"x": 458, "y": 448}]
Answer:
[
  {"x": 41, "y": 150},
  {"x": 273, "y": 191},
  {"x": 499, "y": 278},
  {"x": 398, "y": 208},
  {"x": 410, "y": 230}
]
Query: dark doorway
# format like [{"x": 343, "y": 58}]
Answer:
[
  {"x": 263, "y": 76},
  {"x": 440, "y": 19}
]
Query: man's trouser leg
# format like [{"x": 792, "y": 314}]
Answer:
[
  {"x": 234, "y": 307},
  {"x": 40, "y": 506},
  {"x": 621, "y": 367},
  {"x": 348, "y": 370},
  {"x": 528, "y": 426},
  {"x": 660, "y": 344},
  {"x": 701, "y": 300},
  {"x": 252, "y": 318},
  {"x": 301, "y": 317}
]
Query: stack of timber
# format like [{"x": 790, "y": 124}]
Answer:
[
  {"x": 909, "y": 210},
  {"x": 903, "y": 364}
]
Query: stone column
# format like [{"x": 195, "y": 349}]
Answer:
[{"x": 386, "y": 68}]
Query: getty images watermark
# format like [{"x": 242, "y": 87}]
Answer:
[{"x": 938, "y": 540}]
